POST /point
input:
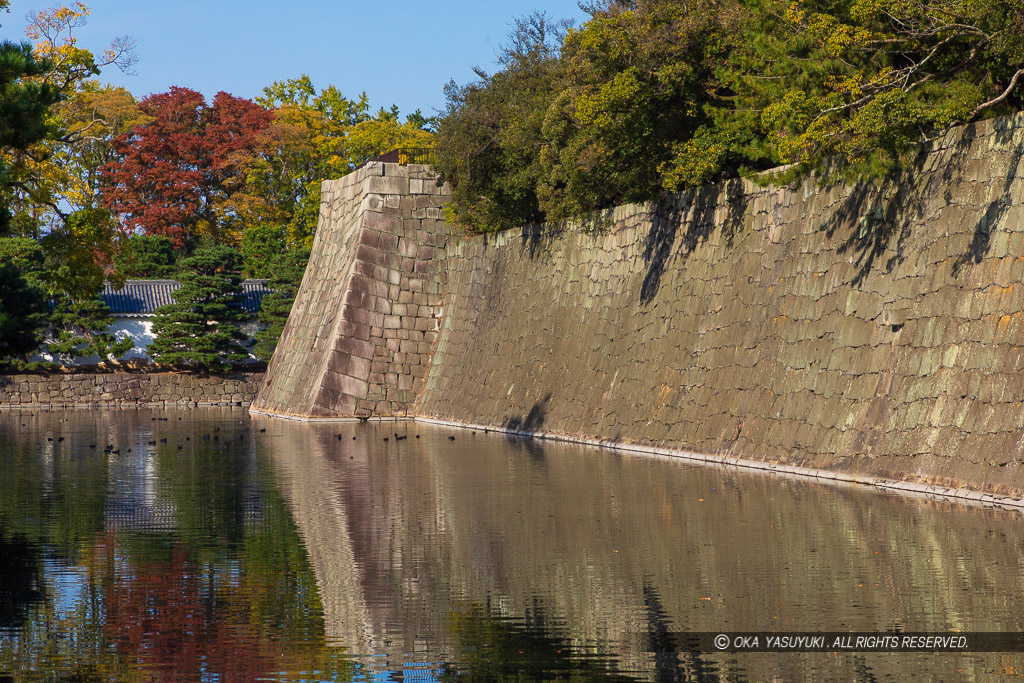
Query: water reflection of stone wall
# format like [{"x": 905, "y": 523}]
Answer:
[
  {"x": 408, "y": 538},
  {"x": 860, "y": 328}
]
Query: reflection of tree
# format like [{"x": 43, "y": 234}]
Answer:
[
  {"x": 213, "y": 491},
  {"x": 234, "y": 619},
  {"x": 223, "y": 588},
  {"x": 235, "y": 594},
  {"x": 496, "y": 649},
  {"x": 51, "y": 497},
  {"x": 166, "y": 617},
  {"x": 61, "y": 637},
  {"x": 20, "y": 580}
]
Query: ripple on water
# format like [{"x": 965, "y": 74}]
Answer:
[{"x": 211, "y": 544}]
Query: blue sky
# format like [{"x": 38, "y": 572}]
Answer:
[{"x": 398, "y": 51}]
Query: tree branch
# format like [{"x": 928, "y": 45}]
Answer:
[{"x": 1006, "y": 93}]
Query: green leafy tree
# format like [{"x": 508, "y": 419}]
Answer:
[
  {"x": 287, "y": 271},
  {"x": 491, "y": 135},
  {"x": 76, "y": 254},
  {"x": 315, "y": 136},
  {"x": 146, "y": 256},
  {"x": 279, "y": 182},
  {"x": 637, "y": 89},
  {"x": 652, "y": 96},
  {"x": 201, "y": 328},
  {"x": 23, "y": 301},
  {"x": 22, "y": 313},
  {"x": 25, "y": 254},
  {"x": 383, "y": 133},
  {"x": 51, "y": 169},
  {"x": 68, "y": 173},
  {"x": 418, "y": 120},
  {"x": 82, "y": 331},
  {"x": 858, "y": 85},
  {"x": 24, "y": 105},
  {"x": 261, "y": 247}
]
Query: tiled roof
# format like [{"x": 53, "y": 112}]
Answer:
[
  {"x": 143, "y": 297},
  {"x": 253, "y": 292}
]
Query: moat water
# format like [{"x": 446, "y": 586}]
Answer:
[{"x": 205, "y": 545}]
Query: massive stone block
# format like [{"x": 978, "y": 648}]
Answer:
[{"x": 369, "y": 244}]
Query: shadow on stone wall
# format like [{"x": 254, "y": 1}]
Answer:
[
  {"x": 874, "y": 214},
  {"x": 670, "y": 215},
  {"x": 995, "y": 210},
  {"x": 536, "y": 238},
  {"x": 533, "y": 421},
  {"x": 877, "y": 214}
]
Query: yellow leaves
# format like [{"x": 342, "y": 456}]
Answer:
[
  {"x": 605, "y": 35},
  {"x": 63, "y": 172},
  {"x": 101, "y": 112},
  {"x": 794, "y": 14},
  {"x": 693, "y": 163},
  {"x": 53, "y": 34},
  {"x": 46, "y": 25},
  {"x": 837, "y": 37},
  {"x": 597, "y": 107},
  {"x": 850, "y": 84},
  {"x": 372, "y": 138},
  {"x": 863, "y": 11}
]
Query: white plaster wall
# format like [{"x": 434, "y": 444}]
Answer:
[
  {"x": 140, "y": 329},
  {"x": 141, "y": 332}
]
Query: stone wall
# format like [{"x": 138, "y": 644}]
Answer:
[
  {"x": 875, "y": 329},
  {"x": 358, "y": 340},
  {"x": 124, "y": 389}
]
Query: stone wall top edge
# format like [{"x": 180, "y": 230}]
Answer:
[
  {"x": 422, "y": 171},
  {"x": 749, "y": 189},
  {"x": 130, "y": 375},
  {"x": 377, "y": 169}
]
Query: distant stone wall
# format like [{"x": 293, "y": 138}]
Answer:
[
  {"x": 869, "y": 329},
  {"x": 124, "y": 389},
  {"x": 358, "y": 340}
]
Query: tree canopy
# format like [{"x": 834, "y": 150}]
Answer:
[
  {"x": 651, "y": 96},
  {"x": 172, "y": 174},
  {"x": 315, "y": 135},
  {"x": 286, "y": 273}
]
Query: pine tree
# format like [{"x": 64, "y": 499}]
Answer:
[
  {"x": 24, "y": 107},
  {"x": 82, "y": 330},
  {"x": 146, "y": 256},
  {"x": 22, "y": 312},
  {"x": 287, "y": 269},
  {"x": 201, "y": 328}
]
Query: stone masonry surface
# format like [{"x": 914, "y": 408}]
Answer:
[
  {"x": 875, "y": 329},
  {"x": 123, "y": 389},
  {"x": 359, "y": 338}
]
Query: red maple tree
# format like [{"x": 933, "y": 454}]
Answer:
[{"x": 172, "y": 172}]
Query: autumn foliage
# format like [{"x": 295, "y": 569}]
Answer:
[{"x": 173, "y": 173}]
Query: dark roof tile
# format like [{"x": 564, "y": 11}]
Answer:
[{"x": 143, "y": 297}]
